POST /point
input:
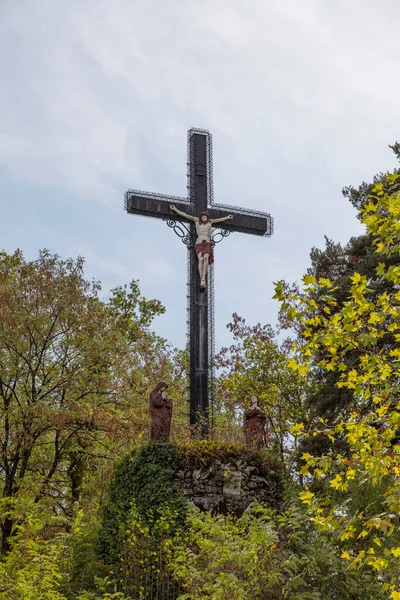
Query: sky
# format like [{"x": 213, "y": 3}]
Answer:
[{"x": 96, "y": 97}]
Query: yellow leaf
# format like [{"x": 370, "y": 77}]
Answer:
[
  {"x": 382, "y": 410},
  {"x": 395, "y": 595},
  {"x": 380, "y": 246},
  {"x": 377, "y": 541},
  {"x": 370, "y": 207},
  {"x": 303, "y": 369},
  {"x": 346, "y": 555},
  {"x": 380, "y": 269},
  {"x": 356, "y": 278},
  {"x": 306, "y": 497},
  {"x": 363, "y": 534},
  {"x": 379, "y": 564},
  {"x": 348, "y": 533},
  {"x": 336, "y": 482},
  {"x": 309, "y": 280},
  {"x": 325, "y": 282},
  {"x": 396, "y": 551},
  {"x": 297, "y": 429},
  {"x": 374, "y": 318}
]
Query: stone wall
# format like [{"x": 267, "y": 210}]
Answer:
[{"x": 229, "y": 486}]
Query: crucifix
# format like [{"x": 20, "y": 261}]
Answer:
[{"x": 186, "y": 216}]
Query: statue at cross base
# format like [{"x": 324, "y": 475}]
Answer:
[
  {"x": 204, "y": 244},
  {"x": 254, "y": 420},
  {"x": 160, "y": 413}
]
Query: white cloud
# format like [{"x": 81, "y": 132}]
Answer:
[
  {"x": 302, "y": 98},
  {"x": 98, "y": 78}
]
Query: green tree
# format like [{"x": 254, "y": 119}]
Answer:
[
  {"x": 257, "y": 364},
  {"x": 72, "y": 370},
  {"x": 149, "y": 359}
]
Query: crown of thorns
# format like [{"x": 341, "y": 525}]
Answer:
[{"x": 204, "y": 214}]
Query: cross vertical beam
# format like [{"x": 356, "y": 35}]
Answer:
[{"x": 198, "y": 301}]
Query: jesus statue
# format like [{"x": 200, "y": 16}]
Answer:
[{"x": 204, "y": 244}]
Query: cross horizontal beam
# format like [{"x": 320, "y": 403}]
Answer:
[
  {"x": 157, "y": 206},
  {"x": 147, "y": 204}
]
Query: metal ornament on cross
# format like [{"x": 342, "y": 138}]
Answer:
[{"x": 200, "y": 305}]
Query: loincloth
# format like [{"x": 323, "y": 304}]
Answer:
[{"x": 205, "y": 248}]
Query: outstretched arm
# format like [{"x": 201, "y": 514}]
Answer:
[
  {"x": 183, "y": 214},
  {"x": 221, "y": 219}
]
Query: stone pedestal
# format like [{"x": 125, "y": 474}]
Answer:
[{"x": 231, "y": 484}]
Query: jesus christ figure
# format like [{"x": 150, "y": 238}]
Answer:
[{"x": 204, "y": 244}]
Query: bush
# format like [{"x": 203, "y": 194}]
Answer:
[
  {"x": 143, "y": 479},
  {"x": 145, "y": 510},
  {"x": 224, "y": 557}
]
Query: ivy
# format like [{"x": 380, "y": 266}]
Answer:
[
  {"x": 144, "y": 479},
  {"x": 203, "y": 453}
]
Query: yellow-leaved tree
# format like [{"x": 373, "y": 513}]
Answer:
[{"x": 366, "y": 327}]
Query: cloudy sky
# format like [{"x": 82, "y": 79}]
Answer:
[{"x": 96, "y": 96}]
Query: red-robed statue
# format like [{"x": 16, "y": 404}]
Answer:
[
  {"x": 254, "y": 425},
  {"x": 160, "y": 413}
]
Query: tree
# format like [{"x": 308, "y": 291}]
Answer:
[
  {"x": 149, "y": 359},
  {"x": 257, "y": 364},
  {"x": 360, "y": 196},
  {"x": 70, "y": 367},
  {"x": 357, "y": 328},
  {"x": 338, "y": 264}
]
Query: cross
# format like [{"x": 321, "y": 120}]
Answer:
[{"x": 200, "y": 305}]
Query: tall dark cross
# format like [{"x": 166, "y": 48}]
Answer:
[{"x": 200, "y": 305}]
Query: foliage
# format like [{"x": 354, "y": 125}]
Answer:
[
  {"x": 132, "y": 313},
  {"x": 370, "y": 430},
  {"x": 57, "y": 366},
  {"x": 260, "y": 555},
  {"x": 32, "y": 568},
  {"x": 145, "y": 553},
  {"x": 145, "y": 517},
  {"x": 312, "y": 568},
  {"x": 202, "y": 453},
  {"x": 79, "y": 566},
  {"x": 266, "y": 556},
  {"x": 75, "y": 375},
  {"x": 257, "y": 364},
  {"x": 144, "y": 511},
  {"x": 143, "y": 478},
  {"x": 338, "y": 264},
  {"x": 148, "y": 359},
  {"x": 226, "y": 557}
]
